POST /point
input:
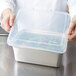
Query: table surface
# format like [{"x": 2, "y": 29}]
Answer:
[{"x": 9, "y": 67}]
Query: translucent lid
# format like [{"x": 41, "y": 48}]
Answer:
[
  {"x": 45, "y": 28},
  {"x": 37, "y": 20}
]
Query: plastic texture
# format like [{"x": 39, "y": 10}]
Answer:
[{"x": 44, "y": 30}]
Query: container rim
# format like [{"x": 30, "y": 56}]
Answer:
[
  {"x": 40, "y": 49},
  {"x": 9, "y": 41},
  {"x": 41, "y": 10},
  {"x": 25, "y": 46}
]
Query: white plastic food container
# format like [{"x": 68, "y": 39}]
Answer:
[{"x": 39, "y": 37}]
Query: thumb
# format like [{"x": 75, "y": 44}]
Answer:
[{"x": 12, "y": 18}]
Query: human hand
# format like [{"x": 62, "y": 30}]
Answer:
[
  {"x": 8, "y": 18},
  {"x": 72, "y": 30}
]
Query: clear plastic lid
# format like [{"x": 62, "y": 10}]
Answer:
[{"x": 39, "y": 29}]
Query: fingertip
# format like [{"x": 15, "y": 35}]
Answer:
[
  {"x": 11, "y": 24},
  {"x": 69, "y": 39}
]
